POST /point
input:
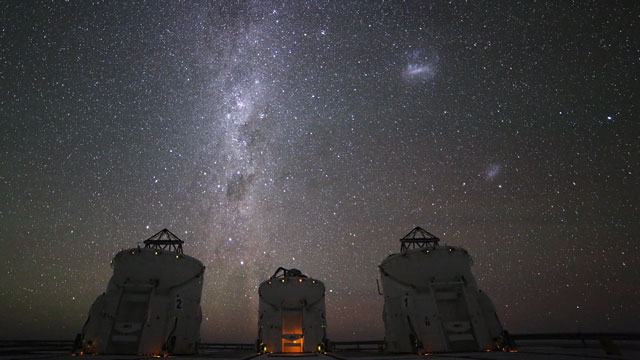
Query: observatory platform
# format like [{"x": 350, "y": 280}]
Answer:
[
  {"x": 559, "y": 350},
  {"x": 433, "y": 308}
]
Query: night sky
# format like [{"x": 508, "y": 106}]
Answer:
[{"x": 314, "y": 135}]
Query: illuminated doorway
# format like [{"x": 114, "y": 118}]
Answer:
[{"x": 292, "y": 337}]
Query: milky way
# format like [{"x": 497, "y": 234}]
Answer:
[{"x": 314, "y": 135}]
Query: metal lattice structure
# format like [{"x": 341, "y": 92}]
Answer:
[
  {"x": 282, "y": 272},
  {"x": 418, "y": 238},
  {"x": 164, "y": 240}
]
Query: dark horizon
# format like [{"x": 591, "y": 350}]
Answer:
[{"x": 314, "y": 135}]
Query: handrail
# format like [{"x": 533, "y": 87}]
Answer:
[
  {"x": 234, "y": 346},
  {"x": 24, "y": 346},
  {"x": 576, "y": 336}
]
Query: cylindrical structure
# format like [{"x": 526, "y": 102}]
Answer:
[
  {"x": 151, "y": 306},
  {"x": 432, "y": 302},
  {"x": 291, "y": 314}
]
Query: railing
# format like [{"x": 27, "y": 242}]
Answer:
[
  {"x": 13, "y": 347},
  {"x": 366, "y": 345},
  {"x": 610, "y": 342},
  {"x": 577, "y": 336},
  {"x": 227, "y": 346}
]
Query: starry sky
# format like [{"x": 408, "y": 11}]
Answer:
[{"x": 314, "y": 135}]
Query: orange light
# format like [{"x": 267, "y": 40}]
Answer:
[{"x": 300, "y": 280}]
